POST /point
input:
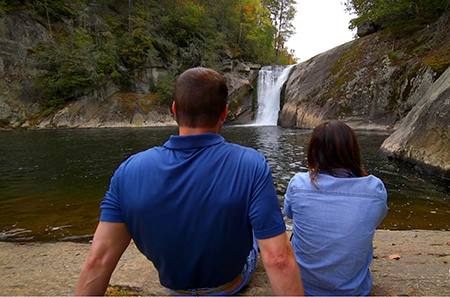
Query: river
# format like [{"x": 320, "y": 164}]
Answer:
[{"x": 52, "y": 181}]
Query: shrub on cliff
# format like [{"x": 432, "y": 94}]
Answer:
[{"x": 398, "y": 16}]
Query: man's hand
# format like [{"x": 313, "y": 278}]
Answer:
[
  {"x": 110, "y": 241},
  {"x": 281, "y": 267}
]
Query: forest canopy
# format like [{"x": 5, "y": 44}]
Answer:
[
  {"x": 93, "y": 41},
  {"x": 398, "y": 16}
]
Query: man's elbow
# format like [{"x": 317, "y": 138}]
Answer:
[
  {"x": 95, "y": 261},
  {"x": 279, "y": 261}
]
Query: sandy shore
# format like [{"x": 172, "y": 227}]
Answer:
[{"x": 406, "y": 263}]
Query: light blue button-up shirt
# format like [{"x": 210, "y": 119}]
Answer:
[{"x": 333, "y": 230}]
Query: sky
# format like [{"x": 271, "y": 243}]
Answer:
[{"x": 320, "y": 25}]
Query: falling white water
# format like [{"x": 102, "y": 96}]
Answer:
[{"x": 270, "y": 81}]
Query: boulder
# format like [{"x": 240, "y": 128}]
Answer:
[
  {"x": 424, "y": 135},
  {"x": 365, "y": 28}
]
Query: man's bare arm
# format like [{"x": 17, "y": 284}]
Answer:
[
  {"x": 281, "y": 267},
  {"x": 110, "y": 241}
]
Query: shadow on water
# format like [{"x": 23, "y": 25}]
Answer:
[{"x": 52, "y": 182}]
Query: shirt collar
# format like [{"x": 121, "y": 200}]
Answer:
[
  {"x": 339, "y": 173},
  {"x": 193, "y": 141}
]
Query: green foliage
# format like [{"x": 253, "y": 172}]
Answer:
[
  {"x": 48, "y": 10},
  {"x": 165, "y": 89},
  {"x": 439, "y": 62},
  {"x": 393, "y": 55},
  {"x": 52, "y": 10},
  {"x": 422, "y": 49},
  {"x": 68, "y": 66},
  {"x": 94, "y": 42},
  {"x": 282, "y": 14},
  {"x": 10, "y": 6},
  {"x": 4, "y": 123},
  {"x": 50, "y": 106},
  {"x": 400, "y": 17}
]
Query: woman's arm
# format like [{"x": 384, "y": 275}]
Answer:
[{"x": 287, "y": 203}]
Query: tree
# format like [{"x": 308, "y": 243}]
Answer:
[
  {"x": 95, "y": 42},
  {"x": 282, "y": 14},
  {"x": 396, "y": 15},
  {"x": 258, "y": 32},
  {"x": 68, "y": 68}
]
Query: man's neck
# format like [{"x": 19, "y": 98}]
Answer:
[{"x": 183, "y": 131}]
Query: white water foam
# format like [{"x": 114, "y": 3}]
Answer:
[{"x": 270, "y": 81}]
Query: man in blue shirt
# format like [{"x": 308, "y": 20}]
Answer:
[{"x": 197, "y": 207}]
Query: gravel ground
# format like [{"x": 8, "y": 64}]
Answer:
[{"x": 406, "y": 263}]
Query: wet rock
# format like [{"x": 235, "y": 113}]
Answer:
[{"x": 424, "y": 135}]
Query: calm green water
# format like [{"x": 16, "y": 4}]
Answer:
[{"x": 52, "y": 182}]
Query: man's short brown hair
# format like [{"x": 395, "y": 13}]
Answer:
[{"x": 200, "y": 97}]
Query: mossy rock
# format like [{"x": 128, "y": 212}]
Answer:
[{"x": 123, "y": 291}]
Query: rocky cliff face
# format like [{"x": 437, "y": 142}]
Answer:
[
  {"x": 369, "y": 89},
  {"x": 241, "y": 91},
  {"x": 424, "y": 135},
  {"x": 19, "y": 98},
  {"x": 21, "y": 102},
  {"x": 380, "y": 82},
  {"x": 117, "y": 110},
  {"x": 138, "y": 109}
]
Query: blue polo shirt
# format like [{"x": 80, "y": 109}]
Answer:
[{"x": 191, "y": 206}]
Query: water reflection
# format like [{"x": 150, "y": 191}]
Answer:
[{"x": 51, "y": 182}]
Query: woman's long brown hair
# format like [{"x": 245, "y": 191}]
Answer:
[{"x": 333, "y": 145}]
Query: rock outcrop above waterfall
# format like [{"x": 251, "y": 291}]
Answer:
[{"x": 424, "y": 134}]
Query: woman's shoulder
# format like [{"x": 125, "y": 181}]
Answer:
[
  {"x": 377, "y": 183},
  {"x": 300, "y": 178},
  {"x": 369, "y": 185},
  {"x": 372, "y": 179}
]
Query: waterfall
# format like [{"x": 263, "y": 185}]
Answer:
[{"x": 270, "y": 81}]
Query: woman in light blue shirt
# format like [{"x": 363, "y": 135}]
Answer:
[{"x": 335, "y": 207}]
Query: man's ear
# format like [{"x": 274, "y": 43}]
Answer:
[
  {"x": 174, "y": 109},
  {"x": 224, "y": 113}
]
